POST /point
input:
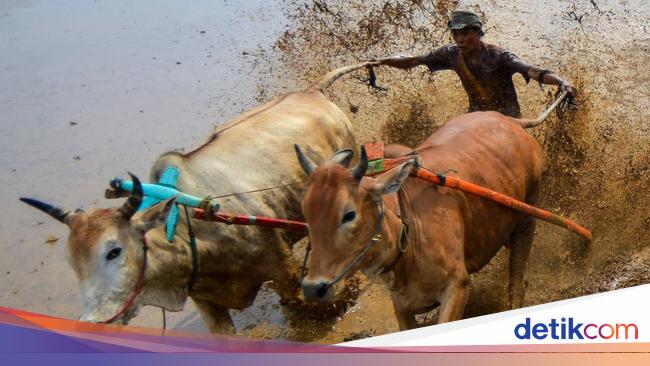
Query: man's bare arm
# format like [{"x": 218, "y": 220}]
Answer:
[
  {"x": 550, "y": 78},
  {"x": 401, "y": 61}
]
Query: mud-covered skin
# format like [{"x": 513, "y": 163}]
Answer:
[{"x": 452, "y": 234}]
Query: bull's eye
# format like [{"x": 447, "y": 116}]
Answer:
[
  {"x": 114, "y": 253},
  {"x": 349, "y": 216}
]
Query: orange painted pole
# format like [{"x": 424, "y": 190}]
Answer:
[{"x": 500, "y": 198}]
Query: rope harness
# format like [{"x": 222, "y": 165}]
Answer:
[
  {"x": 403, "y": 241},
  {"x": 195, "y": 253}
]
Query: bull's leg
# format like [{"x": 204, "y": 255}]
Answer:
[
  {"x": 405, "y": 318},
  {"x": 217, "y": 318},
  {"x": 454, "y": 298},
  {"x": 520, "y": 243}
]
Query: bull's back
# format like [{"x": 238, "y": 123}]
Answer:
[
  {"x": 485, "y": 146},
  {"x": 256, "y": 151},
  {"x": 493, "y": 151}
]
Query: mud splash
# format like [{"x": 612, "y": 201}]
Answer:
[{"x": 596, "y": 157}]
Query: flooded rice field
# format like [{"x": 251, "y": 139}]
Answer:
[{"x": 93, "y": 89}]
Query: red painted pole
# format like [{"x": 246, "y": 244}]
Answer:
[{"x": 231, "y": 219}]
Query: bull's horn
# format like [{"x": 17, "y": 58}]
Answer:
[
  {"x": 362, "y": 167},
  {"x": 54, "y": 211},
  {"x": 307, "y": 165},
  {"x": 342, "y": 157},
  {"x": 135, "y": 199}
]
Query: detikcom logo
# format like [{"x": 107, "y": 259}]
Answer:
[{"x": 568, "y": 328}]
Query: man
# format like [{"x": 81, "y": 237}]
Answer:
[{"x": 484, "y": 70}]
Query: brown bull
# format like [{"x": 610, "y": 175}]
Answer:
[
  {"x": 452, "y": 234},
  {"x": 253, "y": 151}
]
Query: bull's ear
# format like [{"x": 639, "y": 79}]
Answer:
[
  {"x": 342, "y": 157},
  {"x": 391, "y": 181},
  {"x": 154, "y": 216}
]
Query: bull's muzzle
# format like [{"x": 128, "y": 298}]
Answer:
[{"x": 317, "y": 290}]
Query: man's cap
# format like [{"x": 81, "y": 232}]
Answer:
[{"x": 463, "y": 19}]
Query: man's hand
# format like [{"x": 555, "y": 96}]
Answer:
[
  {"x": 570, "y": 89},
  {"x": 376, "y": 60}
]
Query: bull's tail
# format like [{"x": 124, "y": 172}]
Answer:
[
  {"x": 530, "y": 123},
  {"x": 333, "y": 75}
]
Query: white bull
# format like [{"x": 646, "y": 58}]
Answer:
[{"x": 252, "y": 151}]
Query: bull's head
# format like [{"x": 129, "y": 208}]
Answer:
[
  {"x": 343, "y": 210},
  {"x": 105, "y": 249}
]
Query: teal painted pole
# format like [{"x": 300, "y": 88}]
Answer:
[{"x": 162, "y": 193}]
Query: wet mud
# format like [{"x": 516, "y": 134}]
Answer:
[{"x": 596, "y": 154}]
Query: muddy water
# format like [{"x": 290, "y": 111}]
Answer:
[{"x": 93, "y": 89}]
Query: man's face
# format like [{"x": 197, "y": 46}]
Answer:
[{"x": 467, "y": 39}]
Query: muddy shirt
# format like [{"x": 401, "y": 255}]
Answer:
[{"x": 489, "y": 84}]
